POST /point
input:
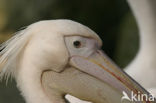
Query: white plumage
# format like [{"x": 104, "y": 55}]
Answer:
[
  {"x": 143, "y": 67},
  {"x": 52, "y": 58}
]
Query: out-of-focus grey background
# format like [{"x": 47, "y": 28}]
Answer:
[{"x": 111, "y": 19}]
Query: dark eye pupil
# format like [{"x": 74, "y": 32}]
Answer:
[{"x": 77, "y": 44}]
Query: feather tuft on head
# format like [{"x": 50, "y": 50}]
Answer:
[{"x": 9, "y": 53}]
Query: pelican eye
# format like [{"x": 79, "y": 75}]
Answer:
[{"x": 77, "y": 44}]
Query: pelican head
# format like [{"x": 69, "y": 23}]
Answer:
[{"x": 52, "y": 58}]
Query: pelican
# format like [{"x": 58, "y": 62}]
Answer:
[
  {"x": 52, "y": 58},
  {"x": 143, "y": 67}
]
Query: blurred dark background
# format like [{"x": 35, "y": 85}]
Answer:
[{"x": 111, "y": 19}]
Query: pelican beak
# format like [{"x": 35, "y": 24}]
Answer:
[
  {"x": 93, "y": 78},
  {"x": 101, "y": 67}
]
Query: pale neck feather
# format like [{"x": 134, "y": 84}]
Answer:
[
  {"x": 145, "y": 14},
  {"x": 29, "y": 82},
  {"x": 143, "y": 67}
]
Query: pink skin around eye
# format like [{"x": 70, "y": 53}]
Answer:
[{"x": 92, "y": 44}]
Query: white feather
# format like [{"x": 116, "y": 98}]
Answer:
[
  {"x": 10, "y": 51},
  {"x": 143, "y": 67}
]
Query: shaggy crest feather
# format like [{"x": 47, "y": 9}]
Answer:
[{"x": 9, "y": 54}]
